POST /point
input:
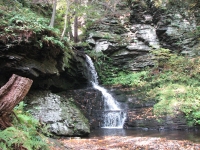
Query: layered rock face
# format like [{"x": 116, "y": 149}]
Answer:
[
  {"x": 45, "y": 66},
  {"x": 130, "y": 34},
  {"x": 126, "y": 43}
]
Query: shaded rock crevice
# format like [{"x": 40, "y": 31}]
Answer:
[
  {"x": 45, "y": 66},
  {"x": 89, "y": 101}
]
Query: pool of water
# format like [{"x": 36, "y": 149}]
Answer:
[{"x": 193, "y": 136}]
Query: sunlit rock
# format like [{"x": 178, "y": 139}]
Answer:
[{"x": 59, "y": 113}]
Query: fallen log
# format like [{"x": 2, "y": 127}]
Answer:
[{"x": 11, "y": 94}]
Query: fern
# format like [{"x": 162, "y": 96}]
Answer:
[
  {"x": 24, "y": 132},
  {"x": 54, "y": 41},
  {"x": 129, "y": 79},
  {"x": 13, "y": 136}
]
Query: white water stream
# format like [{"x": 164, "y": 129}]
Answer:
[{"x": 113, "y": 116}]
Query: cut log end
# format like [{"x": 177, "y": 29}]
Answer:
[{"x": 11, "y": 94}]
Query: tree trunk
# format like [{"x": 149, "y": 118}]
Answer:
[
  {"x": 75, "y": 29},
  {"x": 53, "y": 14},
  {"x": 10, "y": 95},
  {"x": 75, "y": 24},
  {"x": 66, "y": 15},
  {"x": 70, "y": 28}
]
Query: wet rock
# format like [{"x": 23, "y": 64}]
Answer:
[
  {"x": 59, "y": 112},
  {"x": 143, "y": 117},
  {"x": 90, "y": 101},
  {"x": 119, "y": 96}
]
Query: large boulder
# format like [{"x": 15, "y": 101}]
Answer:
[{"x": 60, "y": 113}]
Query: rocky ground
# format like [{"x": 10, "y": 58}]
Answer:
[{"x": 124, "y": 143}]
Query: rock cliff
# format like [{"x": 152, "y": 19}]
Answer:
[{"x": 132, "y": 32}]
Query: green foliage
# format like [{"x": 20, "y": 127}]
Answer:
[
  {"x": 104, "y": 66},
  {"x": 22, "y": 25},
  {"x": 173, "y": 84},
  {"x": 24, "y": 133},
  {"x": 53, "y": 41},
  {"x": 129, "y": 79},
  {"x": 87, "y": 14},
  {"x": 12, "y": 137},
  {"x": 24, "y": 19},
  {"x": 161, "y": 55},
  {"x": 161, "y": 52},
  {"x": 176, "y": 88}
]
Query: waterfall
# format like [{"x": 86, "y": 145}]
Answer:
[
  {"x": 113, "y": 116},
  {"x": 92, "y": 74}
]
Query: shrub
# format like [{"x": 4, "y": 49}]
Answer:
[{"x": 128, "y": 79}]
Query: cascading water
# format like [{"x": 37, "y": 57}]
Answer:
[{"x": 113, "y": 116}]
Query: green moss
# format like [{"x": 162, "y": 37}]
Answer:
[
  {"x": 81, "y": 116},
  {"x": 106, "y": 35}
]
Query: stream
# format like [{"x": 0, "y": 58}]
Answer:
[
  {"x": 193, "y": 136},
  {"x": 129, "y": 139}
]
